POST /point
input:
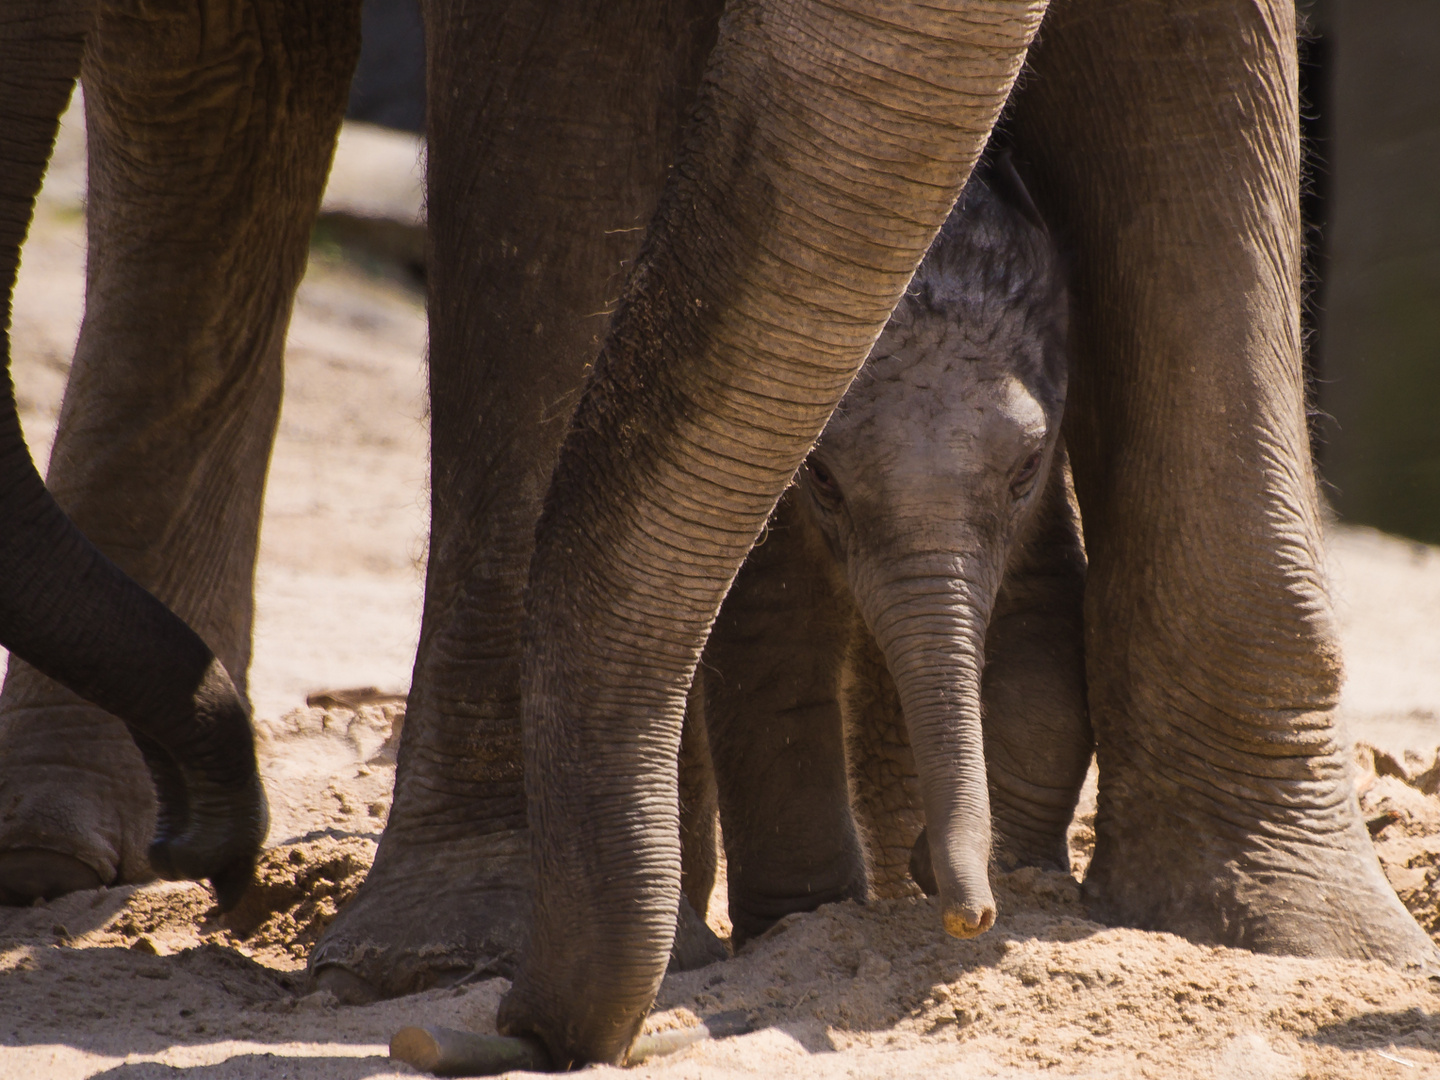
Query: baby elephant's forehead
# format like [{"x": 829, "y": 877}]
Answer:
[{"x": 937, "y": 371}]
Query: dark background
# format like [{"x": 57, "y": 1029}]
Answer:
[{"x": 1374, "y": 95}]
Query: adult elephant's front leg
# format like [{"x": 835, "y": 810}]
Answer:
[
  {"x": 1164, "y": 142},
  {"x": 551, "y": 126},
  {"x": 210, "y": 133},
  {"x": 829, "y": 145}
]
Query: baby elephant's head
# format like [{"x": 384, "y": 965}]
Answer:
[
  {"x": 925, "y": 478},
  {"x": 947, "y": 434}
]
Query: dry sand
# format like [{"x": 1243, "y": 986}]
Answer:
[{"x": 148, "y": 982}]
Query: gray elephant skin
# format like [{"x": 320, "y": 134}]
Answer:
[
  {"x": 792, "y": 162},
  {"x": 933, "y": 509}
]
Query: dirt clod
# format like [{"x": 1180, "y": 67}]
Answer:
[{"x": 298, "y": 889}]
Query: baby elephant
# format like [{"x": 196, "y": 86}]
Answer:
[{"x": 929, "y": 538}]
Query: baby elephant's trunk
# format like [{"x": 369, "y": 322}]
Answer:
[{"x": 928, "y": 615}]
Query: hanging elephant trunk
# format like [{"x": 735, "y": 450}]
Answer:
[{"x": 928, "y": 614}]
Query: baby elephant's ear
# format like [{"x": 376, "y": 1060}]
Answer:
[{"x": 1000, "y": 176}]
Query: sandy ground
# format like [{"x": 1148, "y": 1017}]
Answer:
[{"x": 149, "y": 982}]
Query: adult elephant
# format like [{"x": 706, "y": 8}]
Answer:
[
  {"x": 828, "y": 143},
  {"x": 1162, "y": 140}
]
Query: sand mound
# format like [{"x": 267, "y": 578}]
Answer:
[
  {"x": 298, "y": 890},
  {"x": 153, "y": 978},
  {"x": 1047, "y": 990}
]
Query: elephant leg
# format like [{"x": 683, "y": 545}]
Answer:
[
  {"x": 695, "y": 943},
  {"x": 1163, "y": 141},
  {"x": 550, "y": 126},
  {"x": 699, "y": 805},
  {"x": 1038, "y": 741},
  {"x": 827, "y": 147},
  {"x": 884, "y": 786},
  {"x": 773, "y": 712},
  {"x": 210, "y": 134}
]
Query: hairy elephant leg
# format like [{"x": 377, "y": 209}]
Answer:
[
  {"x": 1038, "y": 741},
  {"x": 210, "y": 134},
  {"x": 773, "y": 711},
  {"x": 1163, "y": 140},
  {"x": 551, "y": 126},
  {"x": 884, "y": 786},
  {"x": 828, "y": 144}
]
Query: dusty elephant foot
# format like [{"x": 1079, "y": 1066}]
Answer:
[
  {"x": 1279, "y": 887},
  {"x": 29, "y": 874},
  {"x": 429, "y": 914},
  {"x": 77, "y": 808},
  {"x": 421, "y": 922},
  {"x": 1034, "y": 831}
]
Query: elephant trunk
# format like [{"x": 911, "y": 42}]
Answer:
[{"x": 928, "y": 614}]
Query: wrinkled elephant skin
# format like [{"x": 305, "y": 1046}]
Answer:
[
  {"x": 825, "y": 146},
  {"x": 161, "y": 452},
  {"x": 162, "y": 447}
]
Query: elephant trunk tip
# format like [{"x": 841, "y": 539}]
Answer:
[{"x": 969, "y": 919}]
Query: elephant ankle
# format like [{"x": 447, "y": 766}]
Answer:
[{"x": 754, "y": 913}]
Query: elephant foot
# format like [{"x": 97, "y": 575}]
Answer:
[
  {"x": 429, "y": 914},
  {"x": 1308, "y": 884},
  {"x": 77, "y": 807},
  {"x": 347, "y": 987},
  {"x": 458, "y": 915},
  {"x": 27, "y": 875}
]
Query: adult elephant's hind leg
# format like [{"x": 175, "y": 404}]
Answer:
[
  {"x": 210, "y": 135},
  {"x": 1164, "y": 144}
]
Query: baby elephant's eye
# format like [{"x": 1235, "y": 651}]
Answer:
[
  {"x": 1025, "y": 475},
  {"x": 822, "y": 482}
]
